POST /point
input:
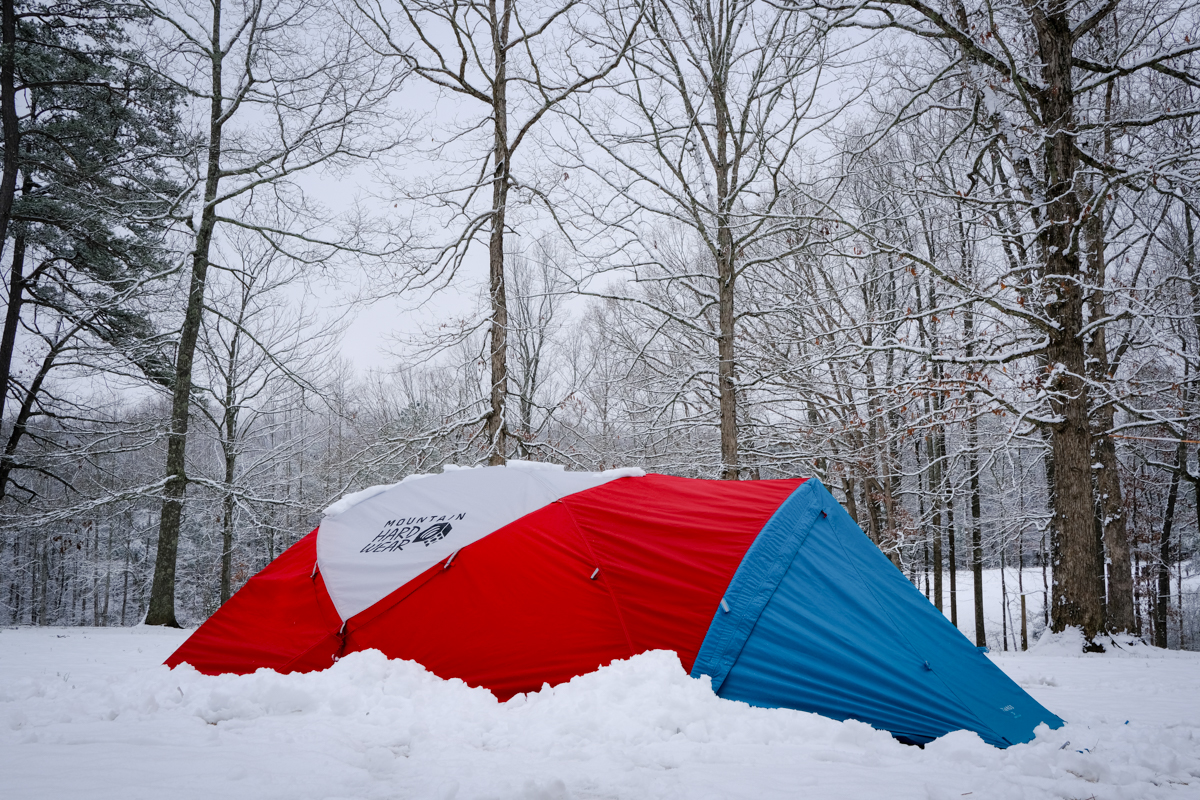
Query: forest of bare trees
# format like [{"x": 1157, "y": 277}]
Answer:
[{"x": 941, "y": 256}]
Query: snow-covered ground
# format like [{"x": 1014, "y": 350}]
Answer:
[
  {"x": 994, "y": 593},
  {"x": 91, "y": 713},
  {"x": 993, "y": 605}
]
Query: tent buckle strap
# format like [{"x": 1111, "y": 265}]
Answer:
[
  {"x": 313, "y": 577},
  {"x": 342, "y": 647},
  {"x": 594, "y": 574},
  {"x": 724, "y": 605},
  {"x": 450, "y": 560}
]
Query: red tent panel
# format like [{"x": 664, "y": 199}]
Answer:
[
  {"x": 520, "y": 607},
  {"x": 669, "y": 547},
  {"x": 275, "y": 619}
]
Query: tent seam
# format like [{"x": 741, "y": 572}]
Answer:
[
  {"x": 607, "y": 586},
  {"x": 760, "y": 593}
]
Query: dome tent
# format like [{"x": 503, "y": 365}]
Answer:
[{"x": 513, "y": 577}]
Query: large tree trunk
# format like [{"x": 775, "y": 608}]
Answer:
[
  {"x": 161, "y": 610},
  {"x": 502, "y": 170},
  {"x": 1076, "y": 601},
  {"x": 229, "y": 431},
  {"x": 226, "y": 545},
  {"x": 1119, "y": 608}
]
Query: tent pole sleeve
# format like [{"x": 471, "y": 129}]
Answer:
[{"x": 756, "y": 579}]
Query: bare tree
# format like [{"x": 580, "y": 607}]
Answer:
[
  {"x": 258, "y": 351},
  {"x": 699, "y": 131},
  {"x": 282, "y": 88},
  {"x": 1033, "y": 71},
  {"x": 514, "y": 62},
  {"x": 536, "y": 320}
]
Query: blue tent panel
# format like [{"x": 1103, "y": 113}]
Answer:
[{"x": 819, "y": 620}]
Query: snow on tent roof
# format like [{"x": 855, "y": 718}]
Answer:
[{"x": 511, "y": 577}]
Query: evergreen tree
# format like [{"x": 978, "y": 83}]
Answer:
[{"x": 86, "y": 235}]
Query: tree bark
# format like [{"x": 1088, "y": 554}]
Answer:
[
  {"x": 1119, "y": 605},
  {"x": 227, "y": 502},
  {"x": 973, "y": 467},
  {"x": 1076, "y": 601},
  {"x": 952, "y": 555},
  {"x": 936, "y": 480},
  {"x": 9, "y": 124},
  {"x": 501, "y": 174},
  {"x": 161, "y": 610},
  {"x": 726, "y": 275},
  {"x": 1162, "y": 601},
  {"x": 976, "y": 535}
]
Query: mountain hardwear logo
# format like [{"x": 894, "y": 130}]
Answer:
[
  {"x": 433, "y": 533},
  {"x": 399, "y": 533}
]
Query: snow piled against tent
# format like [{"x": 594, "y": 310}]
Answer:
[{"x": 89, "y": 713}]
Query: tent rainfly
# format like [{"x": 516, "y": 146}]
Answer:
[{"x": 513, "y": 577}]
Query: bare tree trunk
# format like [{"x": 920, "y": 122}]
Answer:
[
  {"x": 501, "y": 175},
  {"x": 95, "y": 552},
  {"x": 229, "y": 447},
  {"x": 976, "y": 534},
  {"x": 1119, "y": 605},
  {"x": 726, "y": 274},
  {"x": 1076, "y": 601},
  {"x": 1003, "y": 600},
  {"x": 107, "y": 573},
  {"x": 935, "y": 443},
  {"x": 125, "y": 584},
  {"x": 953, "y": 554},
  {"x": 1162, "y": 602},
  {"x": 726, "y": 375},
  {"x": 935, "y": 478},
  {"x": 227, "y": 506},
  {"x": 161, "y": 609},
  {"x": 9, "y": 124}
]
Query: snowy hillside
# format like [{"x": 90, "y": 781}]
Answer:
[{"x": 91, "y": 713}]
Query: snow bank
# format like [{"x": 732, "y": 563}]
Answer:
[
  {"x": 87, "y": 716},
  {"x": 1069, "y": 644}
]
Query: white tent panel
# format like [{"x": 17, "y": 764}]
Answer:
[{"x": 375, "y": 541}]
